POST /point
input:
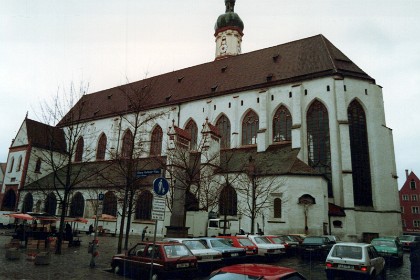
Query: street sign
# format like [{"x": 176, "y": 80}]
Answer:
[
  {"x": 145, "y": 173},
  {"x": 101, "y": 196},
  {"x": 160, "y": 186},
  {"x": 159, "y": 204},
  {"x": 158, "y": 216}
]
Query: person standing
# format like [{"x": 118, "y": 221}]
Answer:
[{"x": 143, "y": 234}]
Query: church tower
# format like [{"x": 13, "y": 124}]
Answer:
[{"x": 228, "y": 32}]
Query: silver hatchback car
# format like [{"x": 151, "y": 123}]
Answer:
[{"x": 354, "y": 260}]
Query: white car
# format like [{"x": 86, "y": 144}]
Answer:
[
  {"x": 354, "y": 260},
  {"x": 202, "y": 252},
  {"x": 265, "y": 247}
]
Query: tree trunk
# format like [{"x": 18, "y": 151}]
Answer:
[
  {"x": 61, "y": 228},
  {"x": 130, "y": 210},
  {"x": 121, "y": 234}
]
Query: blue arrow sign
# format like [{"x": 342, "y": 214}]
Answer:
[{"x": 160, "y": 186}]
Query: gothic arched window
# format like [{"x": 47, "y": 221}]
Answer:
[
  {"x": 19, "y": 164},
  {"x": 110, "y": 204},
  {"x": 79, "y": 150},
  {"x": 319, "y": 153},
  {"x": 144, "y": 206},
  {"x": 223, "y": 125},
  {"x": 50, "y": 204},
  {"x": 191, "y": 127},
  {"x": 101, "y": 149},
  {"x": 156, "y": 141},
  {"x": 228, "y": 201},
  {"x": 12, "y": 162},
  {"x": 77, "y": 205},
  {"x": 127, "y": 144},
  {"x": 282, "y": 125},
  {"x": 360, "y": 162},
  {"x": 250, "y": 125},
  {"x": 28, "y": 203},
  {"x": 277, "y": 208}
]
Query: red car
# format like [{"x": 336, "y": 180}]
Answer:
[
  {"x": 278, "y": 240},
  {"x": 242, "y": 242},
  {"x": 169, "y": 260},
  {"x": 256, "y": 271}
]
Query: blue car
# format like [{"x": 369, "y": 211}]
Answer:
[{"x": 229, "y": 253}]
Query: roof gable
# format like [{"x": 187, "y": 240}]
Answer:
[
  {"x": 45, "y": 136},
  {"x": 295, "y": 61}
]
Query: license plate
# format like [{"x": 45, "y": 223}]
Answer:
[
  {"x": 346, "y": 266},
  {"x": 181, "y": 265},
  {"x": 206, "y": 257},
  {"x": 235, "y": 254}
]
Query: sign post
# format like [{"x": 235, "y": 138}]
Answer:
[
  {"x": 93, "y": 245},
  {"x": 161, "y": 188}
]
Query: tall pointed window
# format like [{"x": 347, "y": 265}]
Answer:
[
  {"x": 319, "y": 153},
  {"x": 110, "y": 204},
  {"x": 28, "y": 203},
  {"x": 250, "y": 125},
  {"x": 277, "y": 208},
  {"x": 12, "y": 162},
  {"x": 51, "y": 204},
  {"x": 78, "y": 156},
  {"x": 127, "y": 144},
  {"x": 101, "y": 149},
  {"x": 223, "y": 125},
  {"x": 144, "y": 206},
  {"x": 191, "y": 127},
  {"x": 228, "y": 201},
  {"x": 360, "y": 162},
  {"x": 156, "y": 142},
  {"x": 282, "y": 125},
  {"x": 19, "y": 163},
  {"x": 77, "y": 205}
]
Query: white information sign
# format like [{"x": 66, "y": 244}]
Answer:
[{"x": 158, "y": 208}]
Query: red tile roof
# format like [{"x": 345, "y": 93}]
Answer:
[
  {"x": 292, "y": 62},
  {"x": 45, "y": 136}
]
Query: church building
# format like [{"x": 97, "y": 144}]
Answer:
[{"x": 287, "y": 139}]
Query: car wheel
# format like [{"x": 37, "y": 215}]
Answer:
[{"x": 118, "y": 269}]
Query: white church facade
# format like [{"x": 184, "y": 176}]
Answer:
[{"x": 299, "y": 122}]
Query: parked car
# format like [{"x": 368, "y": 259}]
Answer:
[
  {"x": 256, "y": 271},
  {"x": 315, "y": 246},
  {"x": 354, "y": 261},
  {"x": 332, "y": 238},
  {"x": 169, "y": 260},
  {"x": 297, "y": 236},
  {"x": 229, "y": 253},
  {"x": 242, "y": 242},
  {"x": 390, "y": 248},
  {"x": 278, "y": 240},
  {"x": 408, "y": 240},
  {"x": 266, "y": 248},
  {"x": 292, "y": 243},
  {"x": 207, "y": 258}
]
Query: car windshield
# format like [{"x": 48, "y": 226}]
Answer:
[
  {"x": 245, "y": 242},
  {"x": 384, "y": 243},
  {"x": 350, "y": 252},
  {"x": 175, "y": 251},
  {"x": 219, "y": 243},
  {"x": 276, "y": 240},
  {"x": 194, "y": 244},
  {"x": 262, "y": 240},
  {"x": 407, "y": 238},
  {"x": 311, "y": 240},
  {"x": 232, "y": 276}
]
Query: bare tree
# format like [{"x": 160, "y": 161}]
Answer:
[
  {"x": 138, "y": 121},
  {"x": 255, "y": 189},
  {"x": 64, "y": 132}
]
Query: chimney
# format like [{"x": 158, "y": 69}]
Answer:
[{"x": 406, "y": 173}]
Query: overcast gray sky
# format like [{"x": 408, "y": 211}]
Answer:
[{"x": 47, "y": 44}]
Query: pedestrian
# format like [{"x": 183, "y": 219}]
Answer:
[
  {"x": 90, "y": 229},
  {"x": 143, "y": 234},
  {"x": 69, "y": 234}
]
